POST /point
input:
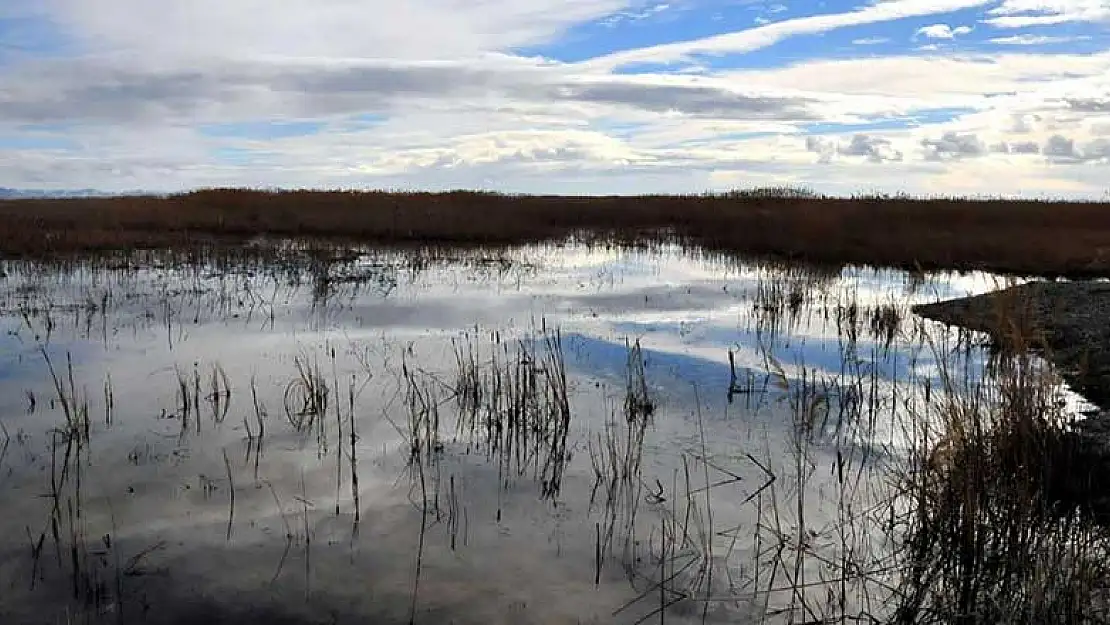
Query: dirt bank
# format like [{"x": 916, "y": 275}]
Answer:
[{"x": 1067, "y": 321}]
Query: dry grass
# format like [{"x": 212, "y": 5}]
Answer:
[
  {"x": 1034, "y": 237},
  {"x": 1005, "y": 519}
]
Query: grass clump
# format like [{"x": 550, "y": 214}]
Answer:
[{"x": 1001, "y": 523}]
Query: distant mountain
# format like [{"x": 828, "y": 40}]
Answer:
[{"x": 30, "y": 194}]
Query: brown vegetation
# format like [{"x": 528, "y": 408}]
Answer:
[
  {"x": 1008, "y": 525},
  {"x": 1028, "y": 237}
]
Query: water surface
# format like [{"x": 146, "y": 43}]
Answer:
[{"x": 217, "y": 480}]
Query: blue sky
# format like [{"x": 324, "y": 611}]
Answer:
[{"x": 1000, "y": 97}]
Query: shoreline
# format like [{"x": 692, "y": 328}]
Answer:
[{"x": 1066, "y": 322}]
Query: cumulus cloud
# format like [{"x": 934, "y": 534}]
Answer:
[
  {"x": 1016, "y": 147},
  {"x": 943, "y": 31},
  {"x": 824, "y": 148},
  {"x": 1061, "y": 148},
  {"x": 1089, "y": 105},
  {"x": 1098, "y": 149},
  {"x": 875, "y": 149},
  {"x": 1022, "y": 123},
  {"x": 953, "y": 145},
  {"x": 527, "y": 148}
]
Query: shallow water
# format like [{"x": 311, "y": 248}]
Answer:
[{"x": 195, "y": 496}]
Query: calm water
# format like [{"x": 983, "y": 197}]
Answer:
[{"x": 218, "y": 478}]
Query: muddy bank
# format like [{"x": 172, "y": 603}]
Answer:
[{"x": 1067, "y": 321}]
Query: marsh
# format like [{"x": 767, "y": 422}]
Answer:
[{"x": 550, "y": 433}]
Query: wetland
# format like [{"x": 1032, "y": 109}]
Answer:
[
  {"x": 765, "y": 406},
  {"x": 562, "y": 432}
]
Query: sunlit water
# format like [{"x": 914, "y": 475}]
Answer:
[{"x": 223, "y": 510}]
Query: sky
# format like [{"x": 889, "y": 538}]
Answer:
[{"x": 949, "y": 97}]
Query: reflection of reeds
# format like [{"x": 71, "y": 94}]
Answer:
[
  {"x": 306, "y": 395},
  {"x": 468, "y": 382},
  {"x": 230, "y": 496},
  {"x": 784, "y": 292},
  {"x": 7, "y": 443},
  {"x": 848, "y": 321},
  {"x": 74, "y": 407},
  {"x": 188, "y": 398},
  {"x": 423, "y": 399},
  {"x": 616, "y": 457},
  {"x": 289, "y": 536},
  {"x": 799, "y": 567},
  {"x": 557, "y": 421},
  {"x": 353, "y": 434},
  {"x": 638, "y": 404},
  {"x": 886, "y": 319},
  {"x": 219, "y": 395},
  {"x": 109, "y": 401},
  {"x": 256, "y": 439},
  {"x": 515, "y": 405}
]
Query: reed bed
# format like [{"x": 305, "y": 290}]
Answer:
[{"x": 1011, "y": 236}]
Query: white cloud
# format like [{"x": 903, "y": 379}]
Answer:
[
  {"x": 1024, "y": 13},
  {"x": 1016, "y": 147},
  {"x": 537, "y": 148},
  {"x": 953, "y": 80},
  {"x": 943, "y": 31},
  {"x": 221, "y": 91},
  {"x": 870, "y": 41},
  {"x": 523, "y": 124},
  {"x": 1098, "y": 148},
  {"x": 1026, "y": 39},
  {"x": 953, "y": 145},
  {"x": 635, "y": 15},
  {"x": 874, "y": 149},
  {"x": 769, "y": 34},
  {"x": 451, "y": 107},
  {"x": 413, "y": 29},
  {"x": 1061, "y": 148}
]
